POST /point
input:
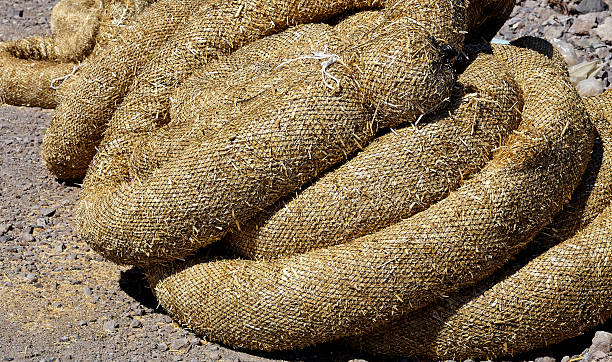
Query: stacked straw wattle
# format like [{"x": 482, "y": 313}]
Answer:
[{"x": 367, "y": 173}]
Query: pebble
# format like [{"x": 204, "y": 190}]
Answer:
[
  {"x": 162, "y": 347},
  {"x": 567, "y": 51},
  {"x": 110, "y": 326},
  {"x": 595, "y": 356},
  {"x": 604, "y": 30},
  {"x": 136, "y": 323},
  {"x": 87, "y": 291},
  {"x": 64, "y": 339},
  {"x": 589, "y": 87},
  {"x": 212, "y": 347},
  {"x": 584, "y": 23},
  {"x": 194, "y": 340},
  {"x": 48, "y": 211},
  {"x": 602, "y": 341},
  {"x": 31, "y": 278},
  {"x": 5, "y": 227},
  {"x": 553, "y": 32},
  {"x": 584, "y": 71},
  {"x": 545, "y": 359},
  {"x": 60, "y": 247},
  {"x": 29, "y": 238},
  {"x": 591, "y": 6},
  {"x": 215, "y": 356},
  {"x": 179, "y": 343}
]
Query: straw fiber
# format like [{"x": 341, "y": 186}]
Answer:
[
  {"x": 304, "y": 110},
  {"x": 97, "y": 89},
  {"x": 176, "y": 37},
  {"x": 415, "y": 167},
  {"x": 29, "y": 65},
  {"x": 562, "y": 291},
  {"x": 33, "y": 68},
  {"x": 371, "y": 179},
  {"x": 346, "y": 289},
  {"x": 28, "y": 82}
]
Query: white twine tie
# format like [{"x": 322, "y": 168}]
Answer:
[
  {"x": 328, "y": 59},
  {"x": 65, "y": 77}
]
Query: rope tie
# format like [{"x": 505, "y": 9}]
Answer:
[
  {"x": 65, "y": 77},
  {"x": 328, "y": 59}
]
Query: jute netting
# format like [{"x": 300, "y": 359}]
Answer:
[
  {"x": 280, "y": 121},
  {"x": 370, "y": 172},
  {"x": 171, "y": 39},
  {"x": 341, "y": 290},
  {"x": 547, "y": 295},
  {"x": 34, "y": 68}
]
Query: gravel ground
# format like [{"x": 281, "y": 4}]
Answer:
[{"x": 61, "y": 301}]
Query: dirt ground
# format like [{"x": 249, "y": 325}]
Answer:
[{"x": 61, "y": 301}]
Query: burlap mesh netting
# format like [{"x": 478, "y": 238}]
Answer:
[
  {"x": 32, "y": 69},
  {"x": 172, "y": 38},
  {"x": 331, "y": 292},
  {"x": 370, "y": 177},
  {"x": 562, "y": 291},
  {"x": 279, "y": 122}
]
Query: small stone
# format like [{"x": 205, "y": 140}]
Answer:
[
  {"x": 567, "y": 51},
  {"x": 565, "y": 359},
  {"x": 48, "y": 211},
  {"x": 41, "y": 222},
  {"x": 215, "y": 356},
  {"x": 110, "y": 326},
  {"x": 136, "y": 323},
  {"x": 584, "y": 71},
  {"x": 212, "y": 347},
  {"x": 28, "y": 230},
  {"x": 602, "y": 341},
  {"x": 82, "y": 323},
  {"x": 29, "y": 238},
  {"x": 553, "y": 32},
  {"x": 194, "y": 340},
  {"x": 584, "y": 23},
  {"x": 60, "y": 247},
  {"x": 5, "y": 227},
  {"x": 590, "y": 87},
  {"x": 87, "y": 291},
  {"x": 162, "y": 318},
  {"x": 545, "y": 359},
  {"x": 64, "y": 339},
  {"x": 604, "y": 30},
  {"x": 162, "y": 347},
  {"x": 31, "y": 278},
  {"x": 56, "y": 305},
  {"x": 595, "y": 356},
  {"x": 602, "y": 52},
  {"x": 591, "y": 6},
  {"x": 179, "y": 343}
]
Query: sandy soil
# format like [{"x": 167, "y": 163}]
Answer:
[{"x": 61, "y": 301}]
